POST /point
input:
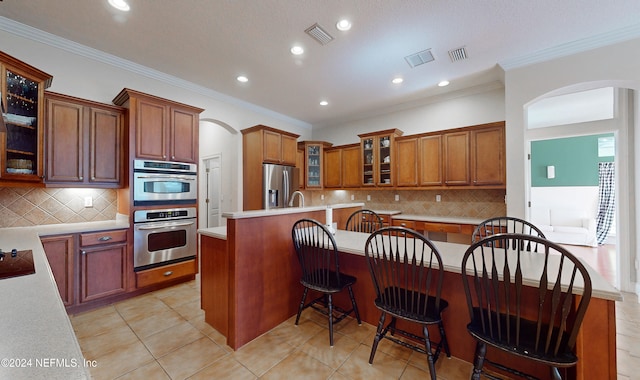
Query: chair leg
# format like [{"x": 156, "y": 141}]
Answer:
[
  {"x": 378, "y": 336},
  {"x": 330, "y": 310},
  {"x": 478, "y": 361},
  {"x": 443, "y": 339},
  {"x": 304, "y": 297},
  {"x": 555, "y": 373},
  {"x": 427, "y": 344},
  {"x": 355, "y": 307},
  {"x": 393, "y": 326}
]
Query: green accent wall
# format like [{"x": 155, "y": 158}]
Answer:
[{"x": 575, "y": 160}]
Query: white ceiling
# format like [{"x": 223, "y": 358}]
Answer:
[{"x": 210, "y": 42}]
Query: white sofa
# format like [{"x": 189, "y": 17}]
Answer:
[{"x": 565, "y": 225}]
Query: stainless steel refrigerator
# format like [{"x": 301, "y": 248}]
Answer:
[{"x": 278, "y": 183}]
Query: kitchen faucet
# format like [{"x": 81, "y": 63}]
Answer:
[{"x": 293, "y": 196}]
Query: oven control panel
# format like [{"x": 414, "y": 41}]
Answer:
[{"x": 141, "y": 216}]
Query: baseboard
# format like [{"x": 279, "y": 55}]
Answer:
[{"x": 637, "y": 287}]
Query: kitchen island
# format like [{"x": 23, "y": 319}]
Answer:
[
  {"x": 38, "y": 341},
  {"x": 265, "y": 272}
]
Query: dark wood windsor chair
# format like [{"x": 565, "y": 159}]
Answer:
[
  {"x": 364, "y": 221},
  {"x": 407, "y": 273},
  {"x": 532, "y": 311},
  {"x": 318, "y": 257}
]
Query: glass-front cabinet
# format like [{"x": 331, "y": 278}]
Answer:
[
  {"x": 313, "y": 165},
  {"x": 378, "y": 157},
  {"x": 21, "y": 131}
]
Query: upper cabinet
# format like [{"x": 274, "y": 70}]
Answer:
[
  {"x": 161, "y": 129},
  {"x": 488, "y": 155},
  {"x": 313, "y": 163},
  {"x": 21, "y": 129},
  {"x": 377, "y": 157},
  {"x": 342, "y": 166},
  {"x": 84, "y": 142},
  {"x": 455, "y": 156}
]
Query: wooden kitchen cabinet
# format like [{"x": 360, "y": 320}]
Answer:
[
  {"x": 430, "y": 160},
  {"x": 300, "y": 166},
  {"x": 313, "y": 163},
  {"x": 333, "y": 167},
  {"x": 60, "y": 251},
  {"x": 262, "y": 144},
  {"x": 21, "y": 130},
  {"x": 406, "y": 162},
  {"x": 161, "y": 129},
  {"x": 488, "y": 155},
  {"x": 342, "y": 166},
  {"x": 84, "y": 142},
  {"x": 378, "y": 157},
  {"x": 103, "y": 264},
  {"x": 456, "y": 157}
]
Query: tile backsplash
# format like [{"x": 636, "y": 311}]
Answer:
[
  {"x": 27, "y": 206},
  {"x": 480, "y": 204}
]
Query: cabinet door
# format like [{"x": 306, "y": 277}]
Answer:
[
  {"x": 332, "y": 168},
  {"x": 351, "y": 166},
  {"x": 314, "y": 166},
  {"x": 368, "y": 161},
  {"x": 289, "y": 149},
  {"x": 487, "y": 160},
  {"x": 406, "y": 164},
  {"x": 183, "y": 138},
  {"x": 102, "y": 271},
  {"x": 456, "y": 158},
  {"x": 430, "y": 160},
  {"x": 151, "y": 130},
  {"x": 59, "y": 251},
  {"x": 272, "y": 149},
  {"x": 65, "y": 141},
  {"x": 300, "y": 165},
  {"x": 105, "y": 149}
]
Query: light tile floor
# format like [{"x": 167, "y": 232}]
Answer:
[{"x": 162, "y": 335}]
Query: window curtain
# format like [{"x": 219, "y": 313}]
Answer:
[{"x": 606, "y": 200}]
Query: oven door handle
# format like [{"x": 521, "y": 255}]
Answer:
[
  {"x": 157, "y": 226},
  {"x": 167, "y": 177}
]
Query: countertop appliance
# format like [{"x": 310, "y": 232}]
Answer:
[
  {"x": 164, "y": 182},
  {"x": 163, "y": 236},
  {"x": 278, "y": 184}
]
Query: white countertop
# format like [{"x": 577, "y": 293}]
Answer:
[
  {"x": 451, "y": 253},
  {"x": 440, "y": 219},
  {"x": 37, "y": 335},
  {"x": 282, "y": 211}
]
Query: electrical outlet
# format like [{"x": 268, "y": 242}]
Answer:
[
  {"x": 88, "y": 202},
  {"x": 368, "y": 197},
  {"x": 397, "y": 197},
  {"x": 438, "y": 198},
  {"x": 322, "y": 197},
  {"x": 353, "y": 197}
]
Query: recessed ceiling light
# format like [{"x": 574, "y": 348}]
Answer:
[
  {"x": 297, "y": 50},
  {"x": 343, "y": 25},
  {"x": 397, "y": 80},
  {"x": 324, "y": 103},
  {"x": 242, "y": 78},
  {"x": 120, "y": 5},
  {"x": 443, "y": 83}
]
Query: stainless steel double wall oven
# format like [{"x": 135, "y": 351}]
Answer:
[{"x": 163, "y": 233}]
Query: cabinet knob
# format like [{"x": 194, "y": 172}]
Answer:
[
  {"x": 168, "y": 273},
  {"x": 105, "y": 238},
  {"x": 83, "y": 252},
  {"x": 173, "y": 157},
  {"x": 93, "y": 178},
  {"x": 164, "y": 156},
  {"x": 81, "y": 178}
]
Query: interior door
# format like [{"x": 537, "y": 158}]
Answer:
[{"x": 212, "y": 170}]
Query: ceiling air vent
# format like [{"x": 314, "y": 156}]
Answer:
[
  {"x": 420, "y": 58},
  {"x": 317, "y": 33},
  {"x": 458, "y": 54}
]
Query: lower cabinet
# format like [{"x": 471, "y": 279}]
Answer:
[
  {"x": 438, "y": 231},
  {"x": 166, "y": 273},
  {"x": 103, "y": 264},
  {"x": 88, "y": 266}
]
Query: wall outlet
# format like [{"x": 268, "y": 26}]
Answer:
[
  {"x": 438, "y": 198},
  {"x": 322, "y": 197},
  {"x": 88, "y": 202},
  {"x": 397, "y": 197},
  {"x": 353, "y": 197},
  {"x": 368, "y": 197}
]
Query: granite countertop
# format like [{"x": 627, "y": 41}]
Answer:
[
  {"x": 282, "y": 211},
  {"x": 354, "y": 242},
  {"x": 36, "y": 332}
]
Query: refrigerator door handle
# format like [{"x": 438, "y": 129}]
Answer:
[{"x": 285, "y": 203}]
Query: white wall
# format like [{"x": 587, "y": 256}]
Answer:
[
  {"x": 483, "y": 104},
  {"x": 614, "y": 65}
]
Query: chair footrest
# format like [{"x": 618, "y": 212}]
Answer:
[
  {"x": 415, "y": 347},
  {"x": 506, "y": 369},
  {"x": 324, "y": 309}
]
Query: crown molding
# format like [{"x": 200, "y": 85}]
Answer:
[
  {"x": 52, "y": 40},
  {"x": 578, "y": 46}
]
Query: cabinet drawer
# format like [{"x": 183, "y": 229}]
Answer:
[
  {"x": 404, "y": 223},
  {"x": 441, "y": 227},
  {"x": 165, "y": 273},
  {"x": 385, "y": 219},
  {"x": 104, "y": 237}
]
